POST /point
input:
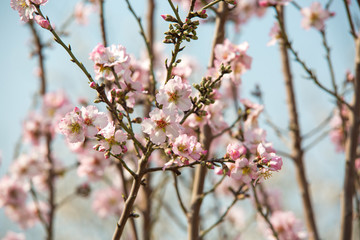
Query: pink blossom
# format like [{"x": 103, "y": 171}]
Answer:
[
  {"x": 92, "y": 166},
  {"x": 286, "y": 225},
  {"x": 44, "y": 23},
  {"x": 225, "y": 52},
  {"x": 161, "y": 125},
  {"x": 314, "y": 16},
  {"x": 187, "y": 147},
  {"x": 33, "y": 128},
  {"x": 175, "y": 94},
  {"x": 82, "y": 12},
  {"x": 267, "y": 3},
  {"x": 236, "y": 56},
  {"x": 112, "y": 140},
  {"x": 93, "y": 119},
  {"x": 72, "y": 126},
  {"x": 244, "y": 170},
  {"x": 28, "y": 166},
  {"x": 275, "y": 34},
  {"x": 27, "y": 216},
  {"x": 252, "y": 117},
  {"x": 108, "y": 202},
  {"x": 24, "y": 8},
  {"x": 106, "y": 58},
  {"x": 14, "y": 236},
  {"x": 252, "y": 137},
  {"x": 12, "y": 192},
  {"x": 357, "y": 165},
  {"x": 39, "y": 2},
  {"x": 235, "y": 150},
  {"x": 273, "y": 161}
]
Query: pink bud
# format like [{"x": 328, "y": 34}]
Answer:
[
  {"x": 164, "y": 17},
  {"x": 263, "y": 3},
  {"x": 92, "y": 85},
  {"x": 44, "y": 23},
  {"x": 77, "y": 110},
  {"x": 124, "y": 149}
]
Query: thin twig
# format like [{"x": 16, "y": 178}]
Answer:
[
  {"x": 309, "y": 71},
  {"x": 348, "y": 14},
  {"x": 221, "y": 219},
  {"x": 265, "y": 216},
  {"x": 178, "y": 194},
  {"x": 37, "y": 206},
  {"x": 148, "y": 47},
  {"x": 321, "y": 125}
]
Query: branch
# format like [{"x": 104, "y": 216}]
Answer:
[
  {"x": 348, "y": 14},
  {"x": 102, "y": 22},
  {"x": 178, "y": 194},
  {"x": 221, "y": 219},
  {"x": 265, "y": 216},
  {"x": 311, "y": 74}
]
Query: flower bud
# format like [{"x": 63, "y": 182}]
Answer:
[{"x": 92, "y": 85}]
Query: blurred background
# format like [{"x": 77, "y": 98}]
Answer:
[{"x": 325, "y": 167}]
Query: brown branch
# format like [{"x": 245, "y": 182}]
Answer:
[
  {"x": 200, "y": 172},
  {"x": 265, "y": 216},
  {"x": 351, "y": 145},
  {"x": 295, "y": 134},
  {"x": 348, "y": 14},
  {"x": 129, "y": 203},
  {"x": 126, "y": 191},
  {"x": 183, "y": 208},
  {"x": 39, "y": 53},
  {"x": 102, "y": 23}
]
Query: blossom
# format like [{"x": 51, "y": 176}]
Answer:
[
  {"x": 29, "y": 165},
  {"x": 107, "y": 201},
  {"x": 81, "y": 12},
  {"x": 187, "y": 147},
  {"x": 174, "y": 94},
  {"x": 24, "y": 8},
  {"x": 92, "y": 165},
  {"x": 314, "y": 16},
  {"x": 236, "y": 56},
  {"x": 93, "y": 120},
  {"x": 273, "y": 161},
  {"x": 108, "y": 58},
  {"x": 33, "y": 128},
  {"x": 275, "y": 34},
  {"x": 72, "y": 126},
  {"x": 44, "y": 23},
  {"x": 286, "y": 226},
  {"x": 13, "y": 236},
  {"x": 235, "y": 150},
  {"x": 244, "y": 170},
  {"x": 267, "y": 3},
  {"x": 12, "y": 192},
  {"x": 113, "y": 140},
  {"x": 161, "y": 125}
]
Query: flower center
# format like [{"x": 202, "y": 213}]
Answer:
[
  {"x": 88, "y": 121},
  {"x": 173, "y": 96},
  {"x": 314, "y": 17},
  {"x": 246, "y": 170},
  {"x": 161, "y": 123},
  {"x": 75, "y": 127}
]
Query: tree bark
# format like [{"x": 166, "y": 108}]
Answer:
[
  {"x": 351, "y": 144},
  {"x": 296, "y": 139}
]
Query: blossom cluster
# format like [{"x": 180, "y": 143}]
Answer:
[{"x": 235, "y": 56}]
